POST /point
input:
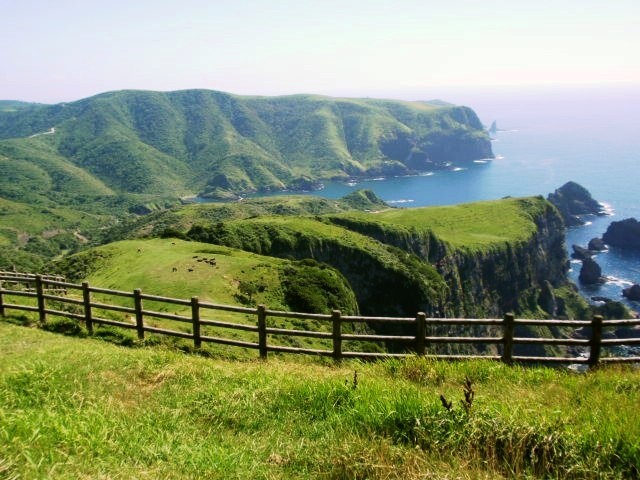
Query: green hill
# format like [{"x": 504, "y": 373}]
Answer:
[
  {"x": 179, "y": 269},
  {"x": 476, "y": 259},
  {"x": 13, "y": 105},
  {"x": 217, "y": 144}
]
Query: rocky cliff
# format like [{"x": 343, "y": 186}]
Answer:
[
  {"x": 396, "y": 269},
  {"x": 505, "y": 277}
]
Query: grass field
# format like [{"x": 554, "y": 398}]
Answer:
[
  {"x": 83, "y": 408},
  {"x": 473, "y": 226},
  {"x": 170, "y": 267}
]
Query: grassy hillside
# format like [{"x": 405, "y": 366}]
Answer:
[
  {"x": 83, "y": 408},
  {"x": 472, "y": 227},
  {"x": 473, "y": 259},
  {"x": 37, "y": 230},
  {"x": 386, "y": 281},
  {"x": 31, "y": 235},
  {"x": 13, "y": 105},
  {"x": 217, "y": 144},
  {"x": 179, "y": 269},
  {"x": 178, "y": 220}
]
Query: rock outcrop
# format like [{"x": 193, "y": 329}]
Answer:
[
  {"x": 597, "y": 245},
  {"x": 581, "y": 253},
  {"x": 632, "y": 293},
  {"x": 547, "y": 299},
  {"x": 573, "y": 200},
  {"x": 623, "y": 234},
  {"x": 590, "y": 273}
]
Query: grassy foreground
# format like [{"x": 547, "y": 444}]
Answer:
[{"x": 83, "y": 408}]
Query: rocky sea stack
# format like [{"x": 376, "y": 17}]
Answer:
[
  {"x": 623, "y": 234},
  {"x": 591, "y": 273},
  {"x": 573, "y": 200},
  {"x": 632, "y": 293},
  {"x": 596, "y": 245}
]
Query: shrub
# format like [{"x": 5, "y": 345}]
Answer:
[{"x": 66, "y": 326}]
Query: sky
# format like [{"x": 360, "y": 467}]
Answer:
[{"x": 64, "y": 50}]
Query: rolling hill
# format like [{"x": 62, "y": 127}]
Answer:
[
  {"x": 108, "y": 158},
  {"x": 216, "y": 144}
]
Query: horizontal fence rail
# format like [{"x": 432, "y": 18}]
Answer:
[{"x": 75, "y": 301}]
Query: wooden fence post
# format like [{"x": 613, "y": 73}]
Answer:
[
  {"x": 262, "y": 331},
  {"x": 421, "y": 332},
  {"x": 595, "y": 342},
  {"x": 41, "y": 305},
  {"x": 86, "y": 297},
  {"x": 195, "y": 318},
  {"x": 337, "y": 334},
  {"x": 507, "y": 347},
  {"x": 137, "y": 300},
  {"x": 1, "y": 301}
]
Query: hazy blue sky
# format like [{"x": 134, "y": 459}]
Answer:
[{"x": 64, "y": 50}]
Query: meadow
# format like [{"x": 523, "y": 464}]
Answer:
[{"x": 85, "y": 408}]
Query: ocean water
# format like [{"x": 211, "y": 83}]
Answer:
[{"x": 590, "y": 135}]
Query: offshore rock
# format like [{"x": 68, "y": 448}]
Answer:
[
  {"x": 590, "y": 273},
  {"x": 573, "y": 200},
  {"x": 596, "y": 244},
  {"x": 580, "y": 253},
  {"x": 623, "y": 234},
  {"x": 632, "y": 293}
]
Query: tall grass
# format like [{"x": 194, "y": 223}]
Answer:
[{"x": 82, "y": 408}]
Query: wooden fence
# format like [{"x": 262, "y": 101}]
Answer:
[{"x": 42, "y": 291}]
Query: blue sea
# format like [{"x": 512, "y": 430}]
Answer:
[{"x": 548, "y": 136}]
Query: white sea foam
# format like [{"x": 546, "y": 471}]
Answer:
[
  {"x": 481, "y": 161},
  {"x": 425, "y": 174},
  {"x": 404, "y": 200},
  {"x": 458, "y": 169},
  {"x": 608, "y": 208},
  {"x": 621, "y": 282}
]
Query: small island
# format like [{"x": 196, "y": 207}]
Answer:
[
  {"x": 623, "y": 234},
  {"x": 573, "y": 201}
]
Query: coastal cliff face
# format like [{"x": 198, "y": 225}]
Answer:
[
  {"x": 386, "y": 280},
  {"x": 399, "y": 270},
  {"x": 506, "y": 277}
]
